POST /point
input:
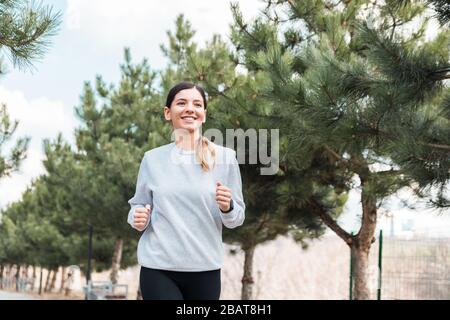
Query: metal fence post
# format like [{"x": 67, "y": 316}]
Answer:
[
  {"x": 88, "y": 273},
  {"x": 380, "y": 258},
  {"x": 351, "y": 273}
]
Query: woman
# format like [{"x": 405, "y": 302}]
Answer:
[{"x": 185, "y": 191}]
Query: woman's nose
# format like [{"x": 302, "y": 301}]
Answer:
[{"x": 190, "y": 107}]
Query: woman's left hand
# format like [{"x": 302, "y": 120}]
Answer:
[{"x": 223, "y": 196}]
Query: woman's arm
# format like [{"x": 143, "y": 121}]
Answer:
[
  {"x": 235, "y": 217},
  {"x": 143, "y": 195}
]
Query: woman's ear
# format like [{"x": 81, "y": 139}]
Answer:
[
  {"x": 167, "y": 114},
  {"x": 204, "y": 119}
]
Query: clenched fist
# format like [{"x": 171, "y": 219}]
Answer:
[
  {"x": 223, "y": 196},
  {"x": 141, "y": 216}
]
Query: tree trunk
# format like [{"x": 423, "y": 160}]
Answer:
[
  {"x": 8, "y": 276},
  {"x": 34, "y": 278},
  {"x": 63, "y": 279},
  {"x": 40, "y": 281},
  {"x": 53, "y": 283},
  {"x": 116, "y": 260},
  {"x": 360, "y": 257},
  {"x": 17, "y": 277},
  {"x": 47, "y": 281},
  {"x": 360, "y": 249},
  {"x": 247, "y": 279},
  {"x": 1, "y": 275}
]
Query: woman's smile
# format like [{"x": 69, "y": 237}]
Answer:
[{"x": 189, "y": 119}]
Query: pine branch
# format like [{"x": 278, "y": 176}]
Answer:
[
  {"x": 442, "y": 8},
  {"x": 440, "y": 74},
  {"x": 388, "y": 173},
  {"x": 427, "y": 144},
  {"x": 335, "y": 154},
  {"x": 436, "y": 146},
  {"x": 352, "y": 164},
  {"x": 243, "y": 27},
  {"x": 401, "y": 64},
  {"x": 247, "y": 110},
  {"x": 262, "y": 223},
  {"x": 330, "y": 222},
  {"x": 303, "y": 16},
  {"x": 24, "y": 30}
]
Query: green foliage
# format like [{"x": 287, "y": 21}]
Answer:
[
  {"x": 12, "y": 162},
  {"x": 25, "y": 29},
  {"x": 375, "y": 96}
]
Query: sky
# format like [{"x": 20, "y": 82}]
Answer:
[{"x": 90, "y": 42}]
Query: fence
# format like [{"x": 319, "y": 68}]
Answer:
[
  {"x": 23, "y": 284},
  {"x": 416, "y": 268},
  {"x": 412, "y": 267},
  {"x": 95, "y": 290}
]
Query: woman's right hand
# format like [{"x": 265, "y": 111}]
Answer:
[{"x": 141, "y": 216}]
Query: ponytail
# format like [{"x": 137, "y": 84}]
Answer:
[{"x": 206, "y": 154}]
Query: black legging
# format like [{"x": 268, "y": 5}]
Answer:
[{"x": 176, "y": 285}]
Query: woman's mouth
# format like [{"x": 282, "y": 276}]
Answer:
[{"x": 189, "y": 119}]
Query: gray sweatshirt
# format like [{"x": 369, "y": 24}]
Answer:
[{"x": 184, "y": 232}]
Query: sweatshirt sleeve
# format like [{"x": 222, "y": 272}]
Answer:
[
  {"x": 143, "y": 195},
  {"x": 235, "y": 217}
]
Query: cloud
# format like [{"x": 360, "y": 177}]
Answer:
[
  {"x": 116, "y": 19},
  {"x": 11, "y": 188},
  {"x": 38, "y": 119},
  {"x": 143, "y": 24}
]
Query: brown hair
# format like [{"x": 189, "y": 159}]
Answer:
[{"x": 205, "y": 151}]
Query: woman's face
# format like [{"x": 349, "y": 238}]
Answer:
[{"x": 187, "y": 110}]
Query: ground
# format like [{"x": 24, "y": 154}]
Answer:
[{"x": 13, "y": 295}]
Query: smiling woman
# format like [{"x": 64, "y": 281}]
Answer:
[{"x": 181, "y": 204}]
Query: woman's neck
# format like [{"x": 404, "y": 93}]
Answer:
[{"x": 187, "y": 141}]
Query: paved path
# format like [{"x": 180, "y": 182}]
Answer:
[{"x": 5, "y": 295}]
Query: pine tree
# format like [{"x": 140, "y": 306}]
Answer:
[
  {"x": 353, "y": 88},
  {"x": 11, "y": 163},
  {"x": 25, "y": 29}
]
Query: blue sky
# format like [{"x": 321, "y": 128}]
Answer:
[{"x": 91, "y": 42}]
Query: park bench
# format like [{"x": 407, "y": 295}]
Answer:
[{"x": 105, "y": 290}]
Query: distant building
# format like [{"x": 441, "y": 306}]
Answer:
[{"x": 409, "y": 223}]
